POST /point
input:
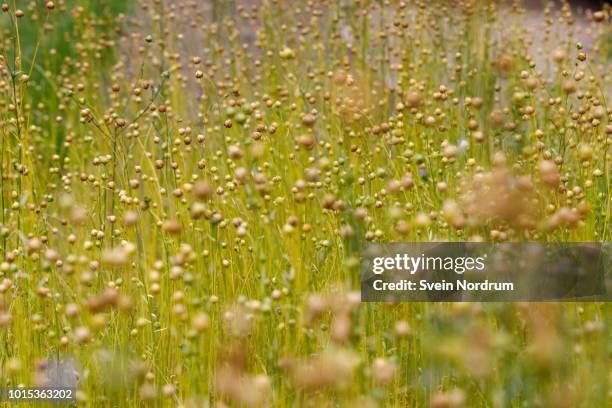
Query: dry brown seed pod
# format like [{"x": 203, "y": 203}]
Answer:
[
  {"x": 312, "y": 174},
  {"x": 316, "y": 305},
  {"x": 260, "y": 178},
  {"x": 394, "y": 186},
  {"x": 504, "y": 63},
  {"x": 51, "y": 255},
  {"x": 478, "y": 136},
  {"x": 34, "y": 245},
  {"x": 549, "y": 173},
  {"x": 172, "y": 226},
  {"x": 341, "y": 328},
  {"x": 497, "y": 117},
  {"x": 71, "y": 310},
  {"x": 148, "y": 392},
  {"x": 452, "y": 399},
  {"x": 5, "y": 319},
  {"x": 413, "y": 99},
  {"x": 328, "y": 201},
  {"x": 402, "y": 328},
  {"x": 292, "y": 220},
  {"x": 82, "y": 334},
  {"x": 531, "y": 83},
  {"x": 168, "y": 389},
  {"x": 130, "y": 218},
  {"x": 330, "y": 369},
  {"x": 241, "y": 174},
  {"x": 235, "y": 152},
  {"x": 307, "y": 141},
  {"x": 383, "y": 370},
  {"x": 117, "y": 256},
  {"x": 200, "y": 322},
  {"x": 308, "y": 119},
  {"x": 202, "y": 190},
  {"x": 477, "y": 102},
  {"x": 559, "y": 55},
  {"x": 569, "y": 86}
]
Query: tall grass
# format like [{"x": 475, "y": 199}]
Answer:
[{"x": 187, "y": 186}]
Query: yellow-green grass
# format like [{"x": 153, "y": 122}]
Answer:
[{"x": 187, "y": 186}]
